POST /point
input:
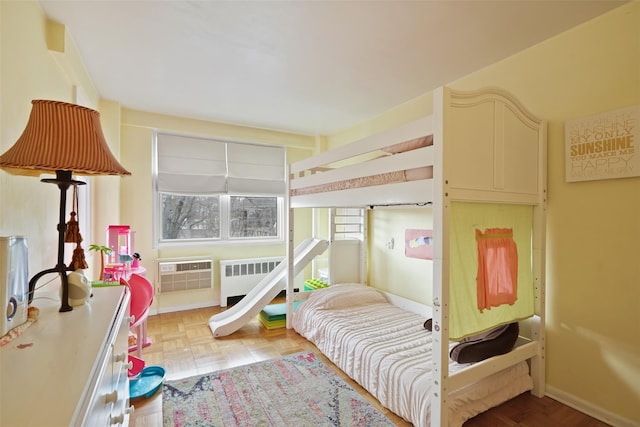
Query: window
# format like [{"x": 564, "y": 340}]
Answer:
[
  {"x": 190, "y": 217},
  {"x": 208, "y": 190},
  {"x": 253, "y": 216}
]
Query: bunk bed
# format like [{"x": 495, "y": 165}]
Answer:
[{"x": 476, "y": 152}]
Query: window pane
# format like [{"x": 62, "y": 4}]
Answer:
[
  {"x": 190, "y": 217},
  {"x": 253, "y": 216}
]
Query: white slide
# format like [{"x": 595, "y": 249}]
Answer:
[{"x": 235, "y": 317}]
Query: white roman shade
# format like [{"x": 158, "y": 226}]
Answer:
[
  {"x": 256, "y": 169},
  {"x": 189, "y": 165}
]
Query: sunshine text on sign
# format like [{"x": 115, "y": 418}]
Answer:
[{"x": 621, "y": 145}]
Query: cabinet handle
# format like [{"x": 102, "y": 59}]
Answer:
[
  {"x": 120, "y": 357},
  {"x": 119, "y": 419},
  {"x": 131, "y": 319},
  {"x": 111, "y": 397},
  {"x": 129, "y": 366}
]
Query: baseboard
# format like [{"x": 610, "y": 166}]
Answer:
[
  {"x": 588, "y": 408},
  {"x": 185, "y": 307},
  {"x": 203, "y": 304}
]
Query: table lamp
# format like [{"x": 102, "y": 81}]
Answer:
[{"x": 66, "y": 139}]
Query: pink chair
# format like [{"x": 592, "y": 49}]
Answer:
[{"x": 141, "y": 298}]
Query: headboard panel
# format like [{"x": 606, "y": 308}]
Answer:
[{"x": 497, "y": 154}]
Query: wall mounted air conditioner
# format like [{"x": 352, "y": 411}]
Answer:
[{"x": 185, "y": 274}]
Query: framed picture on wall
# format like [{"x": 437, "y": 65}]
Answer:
[
  {"x": 603, "y": 146},
  {"x": 418, "y": 243}
]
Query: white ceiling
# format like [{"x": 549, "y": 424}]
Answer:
[{"x": 313, "y": 67}]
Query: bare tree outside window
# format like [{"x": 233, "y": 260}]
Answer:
[
  {"x": 253, "y": 216},
  {"x": 199, "y": 217},
  {"x": 190, "y": 217}
]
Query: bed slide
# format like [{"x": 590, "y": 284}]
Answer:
[{"x": 235, "y": 317}]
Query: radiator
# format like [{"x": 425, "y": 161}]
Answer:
[
  {"x": 239, "y": 276},
  {"x": 185, "y": 274}
]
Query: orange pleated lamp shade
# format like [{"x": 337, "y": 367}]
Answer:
[{"x": 61, "y": 136}]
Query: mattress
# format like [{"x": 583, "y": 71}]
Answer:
[
  {"x": 425, "y": 172},
  {"x": 386, "y": 350}
]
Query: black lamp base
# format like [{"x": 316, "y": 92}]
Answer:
[{"x": 63, "y": 180}]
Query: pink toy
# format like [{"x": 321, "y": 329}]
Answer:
[
  {"x": 120, "y": 241},
  {"x": 141, "y": 299}
]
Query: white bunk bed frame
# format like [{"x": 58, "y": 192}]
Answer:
[{"x": 486, "y": 148}]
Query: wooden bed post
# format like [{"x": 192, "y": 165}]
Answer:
[
  {"x": 538, "y": 323},
  {"x": 290, "y": 254},
  {"x": 440, "y": 396}
]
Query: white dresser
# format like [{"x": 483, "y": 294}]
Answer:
[{"x": 69, "y": 369}]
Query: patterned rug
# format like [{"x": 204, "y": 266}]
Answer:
[{"x": 296, "y": 390}]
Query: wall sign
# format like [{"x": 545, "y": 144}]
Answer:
[{"x": 603, "y": 146}]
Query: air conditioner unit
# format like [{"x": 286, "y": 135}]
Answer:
[{"x": 185, "y": 274}]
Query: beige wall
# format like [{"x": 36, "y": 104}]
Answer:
[
  {"x": 398, "y": 274},
  {"x": 593, "y": 228},
  {"x": 593, "y": 273}
]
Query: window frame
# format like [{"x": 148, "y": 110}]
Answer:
[{"x": 224, "y": 204}]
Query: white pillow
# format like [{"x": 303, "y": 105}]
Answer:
[{"x": 345, "y": 295}]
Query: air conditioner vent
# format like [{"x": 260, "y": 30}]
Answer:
[
  {"x": 196, "y": 265},
  {"x": 185, "y": 275}
]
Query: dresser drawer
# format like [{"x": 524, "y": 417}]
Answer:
[
  {"x": 108, "y": 403},
  {"x": 121, "y": 409},
  {"x": 63, "y": 367}
]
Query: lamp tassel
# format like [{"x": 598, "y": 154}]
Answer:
[
  {"x": 78, "y": 261},
  {"x": 72, "y": 235},
  {"x": 73, "y": 230}
]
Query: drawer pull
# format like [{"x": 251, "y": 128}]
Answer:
[
  {"x": 131, "y": 319},
  {"x": 129, "y": 366},
  {"x": 119, "y": 419},
  {"x": 120, "y": 357},
  {"x": 111, "y": 397}
]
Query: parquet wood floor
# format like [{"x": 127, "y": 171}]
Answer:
[{"x": 184, "y": 346}]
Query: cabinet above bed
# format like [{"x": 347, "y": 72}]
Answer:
[{"x": 493, "y": 148}]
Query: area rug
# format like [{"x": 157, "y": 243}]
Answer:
[{"x": 295, "y": 390}]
